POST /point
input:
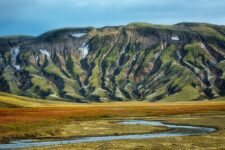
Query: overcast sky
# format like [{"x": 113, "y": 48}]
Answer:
[{"x": 34, "y": 17}]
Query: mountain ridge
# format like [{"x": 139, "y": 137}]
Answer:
[{"x": 139, "y": 61}]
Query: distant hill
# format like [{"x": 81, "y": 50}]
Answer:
[{"x": 140, "y": 61}]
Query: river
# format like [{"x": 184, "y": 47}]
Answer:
[{"x": 176, "y": 130}]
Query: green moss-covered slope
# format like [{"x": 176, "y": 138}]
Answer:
[{"x": 139, "y": 61}]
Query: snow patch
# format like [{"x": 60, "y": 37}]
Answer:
[
  {"x": 45, "y": 52},
  {"x": 14, "y": 52},
  {"x": 203, "y": 46},
  {"x": 17, "y": 67},
  {"x": 36, "y": 58},
  {"x": 77, "y": 35},
  {"x": 175, "y": 38},
  {"x": 124, "y": 48},
  {"x": 178, "y": 54},
  {"x": 156, "y": 56},
  {"x": 162, "y": 47},
  {"x": 84, "y": 49}
]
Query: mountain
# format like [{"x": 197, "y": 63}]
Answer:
[{"x": 139, "y": 61}]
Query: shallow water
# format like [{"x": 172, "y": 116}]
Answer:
[{"x": 177, "y": 130}]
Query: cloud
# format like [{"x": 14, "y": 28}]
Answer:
[{"x": 36, "y": 16}]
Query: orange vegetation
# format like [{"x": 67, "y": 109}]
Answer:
[{"x": 95, "y": 111}]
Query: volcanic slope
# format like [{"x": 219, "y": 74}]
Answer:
[{"x": 139, "y": 61}]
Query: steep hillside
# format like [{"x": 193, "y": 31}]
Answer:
[{"x": 139, "y": 61}]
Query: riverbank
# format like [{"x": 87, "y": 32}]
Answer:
[
  {"x": 176, "y": 131},
  {"x": 97, "y": 119},
  {"x": 211, "y": 141}
]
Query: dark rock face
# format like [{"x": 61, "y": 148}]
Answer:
[{"x": 138, "y": 61}]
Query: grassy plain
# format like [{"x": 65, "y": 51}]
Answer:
[
  {"x": 54, "y": 119},
  {"x": 213, "y": 141}
]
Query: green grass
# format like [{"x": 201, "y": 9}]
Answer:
[
  {"x": 167, "y": 54},
  {"x": 194, "y": 54},
  {"x": 148, "y": 25},
  {"x": 43, "y": 83},
  {"x": 95, "y": 77},
  {"x": 7, "y": 105},
  {"x": 9, "y": 76},
  {"x": 51, "y": 68},
  {"x": 195, "y": 51},
  {"x": 219, "y": 99},
  {"x": 79, "y": 71},
  {"x": 71, "y": 87},
  {"x": 187, "y": 93},
  {"x": 25, "y": 55},
  {"x": 32, "y": 69},
  {"x": 10, "y": 100},
  {"x": 221, "y": 65},
  {"x": 180, "y": 78},
  {"x": 208, "y": 31},
  {"x": 99, "y": 92}
]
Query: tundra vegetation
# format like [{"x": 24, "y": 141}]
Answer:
[
  {"x": 25, "y": 118},
  {"x": 76, "y": 82}
]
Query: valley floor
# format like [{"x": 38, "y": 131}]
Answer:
[
  {"x": 211, "y": 141},
  {"x": 100, "y": 119}
]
